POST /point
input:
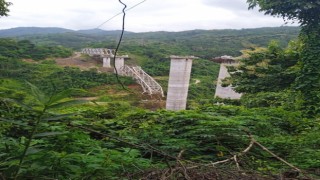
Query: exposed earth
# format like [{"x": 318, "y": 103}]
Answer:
[{"x": 83, "y": 62}]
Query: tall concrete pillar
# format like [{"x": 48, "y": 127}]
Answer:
[
  {"x": 119, "y": 62},
  {"x": 179, "y": 77},
  {"x": 106, "y": 62},
  {"x": 225, "y": 92}
]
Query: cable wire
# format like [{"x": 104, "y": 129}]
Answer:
[
  {"x": 123, "y": 11},
  {"x": 118, "y": 45}
]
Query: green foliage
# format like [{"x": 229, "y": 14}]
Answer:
[
  {"x": 286, "y": 99},
  {"x": 308, "y": 81},
  {"x": 49, "y": 148},
  {"x": 11, "y": 89},
  {"x": 208, "y": 134},
  {"x": 201, "y": 43},
  {"x": 203, "y": 76},
  {"x": 25, "y": 49},
  {"x": 75, "y": 78},
  {"x": 51, "y": 78},
  {"x": 305, "y": 11},
  {"x": 272, "y": 69},
  {"x": 153, "y": 49},
  {"x": 42, "y": 104},
  {"x": 47, "y": 134},
  {"x": 4, "y": 7},
  {"x": 212, "y": 132}
]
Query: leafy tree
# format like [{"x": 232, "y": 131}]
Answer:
[
  {"x": 4, "y": 8},
  {"x": 306, "y": 12},
  {"x": 45, "y": 103},
  {"x": 269, "y": 69},
  {"x": 36, "y": 142},
  {"x": 26, "y": 49}
]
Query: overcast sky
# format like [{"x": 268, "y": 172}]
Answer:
[{"x": 152, "y": 15}]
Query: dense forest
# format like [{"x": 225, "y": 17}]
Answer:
[
  {"x": 203, "y": 43},
  {"x": 68, "y": 123}
]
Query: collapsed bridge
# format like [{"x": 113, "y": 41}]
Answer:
[{"x": 148, "y": 84}]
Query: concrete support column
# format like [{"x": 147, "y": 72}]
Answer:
[
  {"x": 106, "y": 62},
  {"x": 225, "y": 92},
  {"x": 119, "y": 62},
  {"x": 178, "y": 86}
]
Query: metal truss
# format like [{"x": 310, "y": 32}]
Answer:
[{"x": 148, "y": 84}]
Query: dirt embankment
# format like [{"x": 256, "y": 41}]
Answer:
[
  {"x": 77, "y": 60},
  {"x": 83, "y": 62}
]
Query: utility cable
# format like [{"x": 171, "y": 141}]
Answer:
[
  {"x": 121, "y": 13},
  {"x": 124, "y": 10},
  {"x": 118, "y": 45}
]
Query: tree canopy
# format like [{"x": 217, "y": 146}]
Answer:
[
  {"x": 4, "y": 8},
  {"x": 307, "y": 14},
  {"x": 269, "y": 69},
  {"x": 305, "y": 11}
]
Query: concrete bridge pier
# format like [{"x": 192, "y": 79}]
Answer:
[
  {"x": 225, "y": 92},
  {"x": 178, "y": 86},
  {"x": 119, "y": 63},
  {"x": 106, "y": 62}
]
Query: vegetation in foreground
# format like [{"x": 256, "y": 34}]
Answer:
[{"x": 48, "y": 131}]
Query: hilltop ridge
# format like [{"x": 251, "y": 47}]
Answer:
[
  {"x": 201, "y": 43},
  {"x": 26, "y": 31}
]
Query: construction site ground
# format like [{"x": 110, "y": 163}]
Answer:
[{"x": 85, "y": 62}]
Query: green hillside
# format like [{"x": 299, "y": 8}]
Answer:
[
  {"x": 203, "y": 43},
  {"x": 70, "y": 123},
  {"x": 24, "y": 31}
]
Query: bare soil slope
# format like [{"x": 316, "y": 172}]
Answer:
[{"x": 83, "y": 62}]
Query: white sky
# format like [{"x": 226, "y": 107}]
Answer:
[{"x": 152, "y": 15}]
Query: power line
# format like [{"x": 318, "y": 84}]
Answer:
[
  {"x": 124, "y": 10},
  {"x": 121, "y": 13},
  {"x": 118, "y": 45}
]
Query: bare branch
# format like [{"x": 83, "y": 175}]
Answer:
[
  {"x": 236, "y": 161},
  {"x": 280, "y": 159}
]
